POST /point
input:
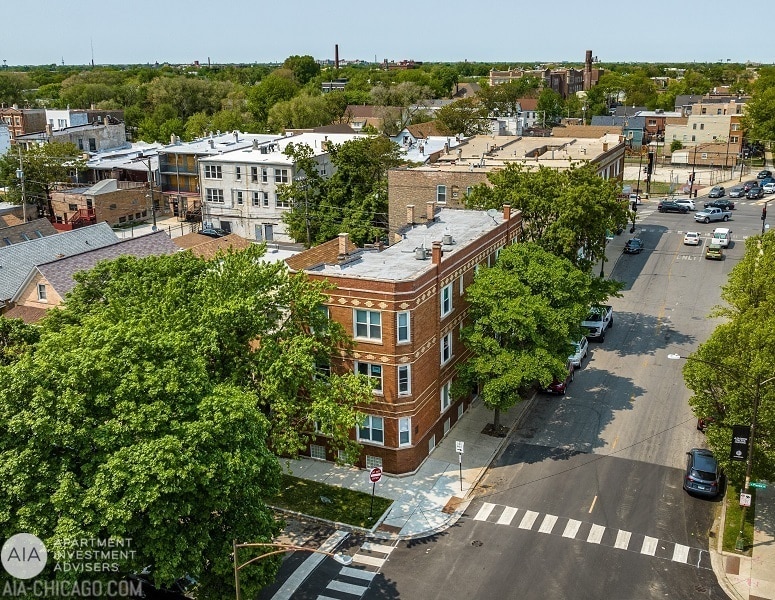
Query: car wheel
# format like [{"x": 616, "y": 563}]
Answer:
[
  {"x": 726, "y": 218},
  {"x": 706, "y": 220},
  {"x": 611, "y": 324}
]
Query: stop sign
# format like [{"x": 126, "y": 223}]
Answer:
[{"x": 375, "y": 474}]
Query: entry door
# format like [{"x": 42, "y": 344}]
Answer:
[
  {"x": 268, "y": 232},
  {"x": 259, "y": 237}
]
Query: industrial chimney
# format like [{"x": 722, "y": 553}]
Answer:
[{"x": 336, "y": 56}]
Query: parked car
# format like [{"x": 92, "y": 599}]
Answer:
[
  {"x": 672, "y": 206},
  {"x": 703, "y": 474},
  {"x": 755, "y": 193},
  {"x": 722, "y": 203},
  {"x": 749, "y": 184},
  {"x": 763, "y": 174},
  {"x": 721, "y": 236},
  {"x": 765, "y": 181},
  {"x": 635, "y": 198},
  {"x": 769, "y": 188},
  {"x": 717, "y": 192},
  {"x": 213, "y": 232},
  {"x": 633, "y": 246},
  {"x": 692, "y": 238},
  {"x": 686, "y": 202},
  {"x": 561, "y": 386},
  {"x": 714, "y": 251},
  {"x": 737, "y": 192},
  {"x": 580, "y": 351}
]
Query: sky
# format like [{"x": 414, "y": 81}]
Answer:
[{"x": 502, "y": 31}]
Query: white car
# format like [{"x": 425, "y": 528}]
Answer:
[
  {"x": 686, "y": 202},
  {"x": 692, "y": 238},
  {"x": 635, "y": 198},
  {"x": 769, "y": 188},
  {"x": 580, "y": 350}
]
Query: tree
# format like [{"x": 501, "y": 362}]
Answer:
[
  {"x": 301, "y": 112},
  {"x": 566, "y": 212},
  {"x": 466, "y": 116},
  {"x": 12, "y": 86},
  {"x": 155, "y": 402},
  {"x": 276, "y": 87},
  {"x": 304, "y": 68},
  {"x": 44, "y": 167},
  {"x": 524, "y": 310},
  {"x": 726, "y": 373},
  {"x": 399, "y": 104},
  {"x": 550, "y": 105},
  {"x": 16, "y": 338},
  {"x": 759, "y": 118}
]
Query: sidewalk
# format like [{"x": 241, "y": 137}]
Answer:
[{"x": 173, "y": 227}]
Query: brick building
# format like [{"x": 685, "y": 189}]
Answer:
[
  {"x": 114, "y": 202},
  {"x": 22, "y": 121},
  {"x": 405, "y": 307}
]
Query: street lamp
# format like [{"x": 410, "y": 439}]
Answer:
[
  {"x": 279, "y": 548},
  {"x": 739, "y": 543},
  {"x": 150, "y": 183}
]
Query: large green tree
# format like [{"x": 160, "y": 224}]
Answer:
[
  {"x": 154, "y": 405},
  {"x": 759, "y": 118},
  {"x": 736, "y": 365},
  {"x": 467, "y": 116},
  {"x": 524, "y": 310}
]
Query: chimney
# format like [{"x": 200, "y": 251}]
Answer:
[
  {"x": 255, "y": 144},
  {"x": 430, "y": 210},
  {"x": 236, "y": 136},
  {"x": 343, "y": 239},
  {"x": 172, "y": 139},
  {"x": 212, "y": 143},
  {"x": 49, "y": 130},
  {"x": 410, "y": 214},
  {"x": 506, "y": 212},
  {"x": 437, "y": 253},
  {"x": 336, "y": 56},
  {"x": 605, "y": 146}
]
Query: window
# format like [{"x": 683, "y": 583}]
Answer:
[
  {"x": 80, "y": 143},
  {"x": 441, "y": 194},
  {"x": 469, "y": 189},
  {"x": 373, "y": 461},
  {"x": 42, "y": 292},
  {"x": 254, "y": 174},
  {"x": 734, "y": 139},
  {"x": 446, "y": 397},
  {"x": 213, "y": 172},
  {"x": 7, "y": 241},
  {"x": 372, "y": 429},
  {"x": 92, "y": 145},
  {"x": 238, "y": 172},
  {"x": 264, "y": 175},
  {"x": 214, "y": 195},
  {"x": 402, "y": 326},
  {"x": 256, "y": 198},
  {"x": 371, "y": 370},
  {"x": 404, "y": 380},
  {"x": 282, "y": 203},
  {"x": 404, "y": 431},
  {"x": 462, "y": 286},
  {"x": 694, "y": 125},
  {"x": 265, "y": 199},
  {"x": 72, "y": 207},
  {"x": 446, "y": 348},
  {"x": 702, "y": 125},
  {"x": 239, "y": 198},
  {"x": 446, "y": 300},
  {"x": 693, "y": 139},
  {"x": 735, "y": 127},
  {"x": 317, "y": 451},
  {"x": 281, "y": 175},
  {"x": 368, "y": 324}
]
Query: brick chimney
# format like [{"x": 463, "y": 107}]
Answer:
[
  {"x": 410, "y": 214},
  {"x": 430, "y": 209},
  {"x": 506, "y": 212},
  {"x": 437, "y": 253},
  {"x": 605, "y": 146},
  {"x": 343, "y": 239}
]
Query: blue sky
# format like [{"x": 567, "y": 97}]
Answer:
[{"x": 228, "y": 31}]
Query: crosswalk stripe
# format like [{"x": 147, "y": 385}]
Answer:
[
  {"x": 347, "y": 588},
  {"x": 681, "y": 553},
  {"x": 548, "y": 524},
  {"x": 484, "y": 512},
  {"x": 622, "y": 539},
  {"x": 358, "y": 573},
  {"x": 571, "y": 529},
  {"x": 649, "y": 546},
  {"x": 372, "y": 547},
  {"x": 365, "y": 559},
  {"x": 507, "y": 516},
  {"x": 595, "y": 534},
  {"x": 528, "y": 520}
]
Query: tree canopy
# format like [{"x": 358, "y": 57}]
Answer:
[
  {"x": 524, "y": 311},
  {"x": 155, "y": 402}
]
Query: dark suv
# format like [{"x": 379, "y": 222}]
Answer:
[
  {"x": 703, "y": 475},
  {"x": 671, "y": 206}
]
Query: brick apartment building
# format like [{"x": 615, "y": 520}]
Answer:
[{"x": 405, "y": 306}]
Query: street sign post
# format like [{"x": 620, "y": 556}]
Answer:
[
  {"x": 758, "y": 484},
  {"x": 374, "y": 476},
  {"x": 459, "y": 450}
]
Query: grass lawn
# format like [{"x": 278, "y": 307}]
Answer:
[
  {"x": 732, "y": 521},
  {"x": 658, "y": 188},
  {"x": 345, "y": 506}
]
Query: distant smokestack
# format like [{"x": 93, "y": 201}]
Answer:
[{"x": 336, "y": 56}]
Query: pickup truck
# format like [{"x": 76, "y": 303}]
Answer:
[
  {"x": 599, "y": 319},
  {"x": 712, "y": 213}
]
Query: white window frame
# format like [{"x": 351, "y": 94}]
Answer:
[
  {"x": 254, "y": 174},
  {"x": 280, "y": 203},
  {"x": 214, "y": 195},
  {"x": 238, "y": 173},
  {"x": 373, "y": 327},
  {"x": 256, "y": 198},
  {"x": 317, "y": 452},
  {"x": 441, "y": 194},
  {"x": 404, "y": 431},
  {"x": 368, "y": 370},
  {"x": 407, "y": 391},
  {"x": 445, "y": 348},
  {"x": 445, "y": 395},
  {"x": 239, "y": 197},
  {"x": 371, "y": 420},
  {"x": 264, "y": 175},
  {"x": 403, "y": 332},
  {"x": 445, "y": 298},
  {"x": 213, "y": 172},
  {"x": 265, "y": 199},
  {"x": 42, "y": 293},
  {"x": 281, "y": 176}
]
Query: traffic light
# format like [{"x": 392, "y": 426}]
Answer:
[
  {"x": 650, "y": 164},
  {"x": 764, "y": 213}
]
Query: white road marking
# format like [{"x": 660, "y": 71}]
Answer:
[
  {"x": 358, "y": 573},
  {"x": 528, "y": 520},
  {"x": 365, "y": 559},
  {"x": 649, "y": 546},
  {"x": 595, "y": 534},
  {"x": 593, "y": 504},
  {"x": 372, "y": 547},
  {"x": 622, "y": 539},
  {"x": 507, "y": 516},
  {"x": 347, "y": 588},
  {"x": 484, "y": 512},
  {"x": 681, "y": 553},
  {"x": 571, "y": 529},
  {"x": 548, "y": 524}
]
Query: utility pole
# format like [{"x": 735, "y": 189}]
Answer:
[{"x": 20, "y": 176}]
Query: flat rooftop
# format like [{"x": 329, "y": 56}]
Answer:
[{"x": 399, "y": 263}]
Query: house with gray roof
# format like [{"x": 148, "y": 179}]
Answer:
[
  {"x": 17, "y": 260},
  {"x": 633, "y": 128},
  {"x": 26, "y": 231}
]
